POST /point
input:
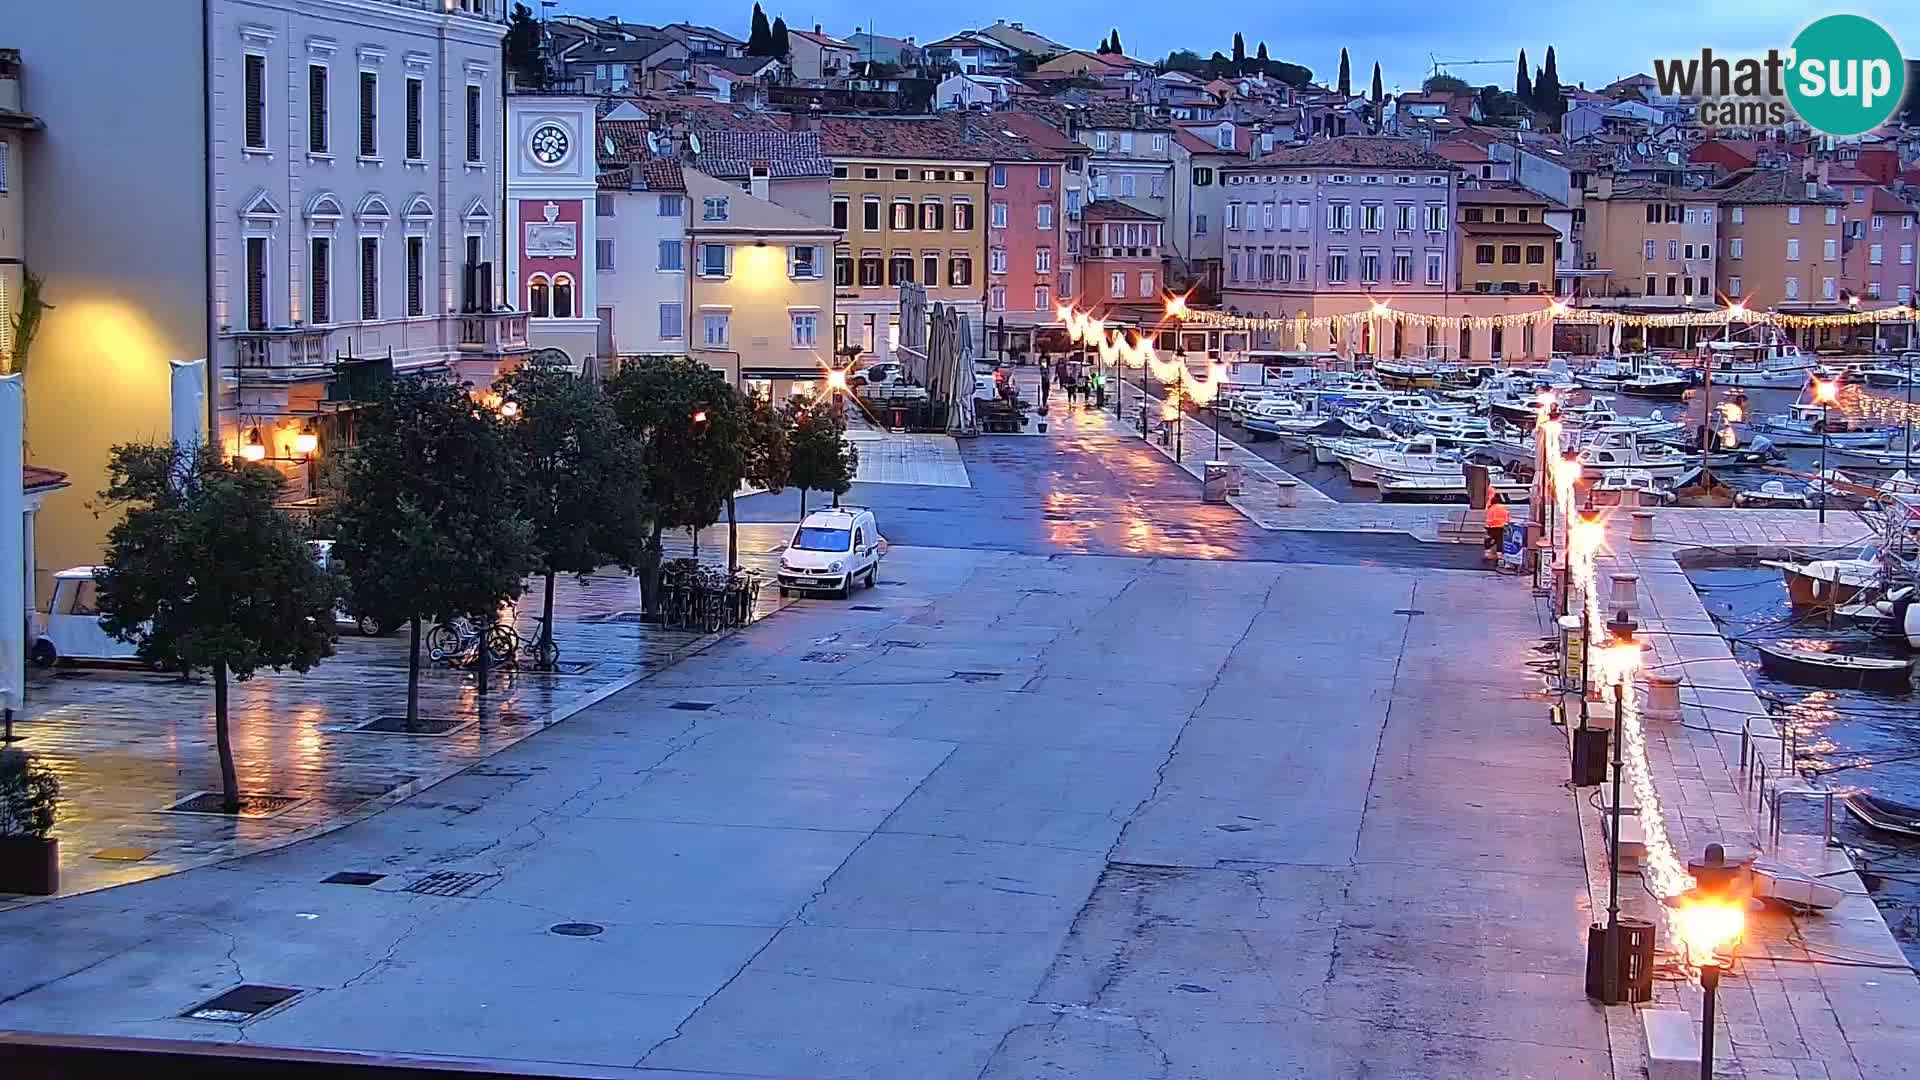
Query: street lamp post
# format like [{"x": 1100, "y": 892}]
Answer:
[
  {"x": 1623, "y": 658},
  {"x": 1825, "y": 391},
  {"x": 1711, "y": 917}
]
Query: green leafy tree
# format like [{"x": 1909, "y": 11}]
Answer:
[
  {"x": 26, "y": 322},
  {"x": 1239, "y": 52},
  {"x": 1446, "y": 84},
  {"x": 1378, "y": 93},
  {"x": 1292, "y": 74},
  {"x": 822, "y": 458},
  {"x": 768, "y": 459},
  {"x": 204, "y": 572},
  {"x": 430, "y": 524},
  {"x": 781, "y": 44},
  {"x": 1522, "y": 83},
  {"x": 1186, "y": 60},
  {"x": 523, "y": 49},
  {"x": 689, "y": 424},
  {"x": 1344, "y": 87},
  {"x": 759, "y": 34},
  {"x": 584, "y": 498}
]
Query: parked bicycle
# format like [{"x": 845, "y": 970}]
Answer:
[
  {"x": 707, "y": 599},
  {"x": 456, "y": 643}
]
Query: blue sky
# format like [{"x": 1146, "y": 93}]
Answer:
[{"x": 1596, "y": 41}]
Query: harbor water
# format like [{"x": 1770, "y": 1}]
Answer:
[{"x": 1848, "y": 740}]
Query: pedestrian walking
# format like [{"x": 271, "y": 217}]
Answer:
[
  {"x": 1497, "y": 518},
  {"x": 1073, "y": 391},
  {"x": 1046, "y": 380}
]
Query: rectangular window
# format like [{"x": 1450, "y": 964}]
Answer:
[
  {"x": 603, "y": 253},
  {"x": 602, "y": 204},
  {"x": 369, "y": 114},
  {"x": 256, "y": 103},
  {"x": 1436, "y": 217},
  {"x": 1233, "y": 217},
  {"x": 870, "y": 214},
  {"x": 369, "y": 278},
  {"x": 713, "y": 260},
  {"x": 473, "y": 123},
  {"x": 960, "y": 270},
  {"x": 416, "y": 100},
  {"x": 962, "y": 217},
  {"x": 1042, "y": 298},
  {"x": 1045, "y": 179},
  {"x": 1509, "y": 253},
  {"x": 1200, "y": 224},
  {"x": 1536, "y": 254},
  {"x": 1370, "y": 266},
  {"x": 1793, "y": 289},
  {"x": 842, "y": 270},
  {"x": 1146, "y": 284},
  {"x": 1436, "y": 263},
  {"x": 1483, "y": 254},
  {"x": 1793, "y": 215},
  {"x": 1733, "y": 286},
  {"x": 930, "y": 268},
  {"x": 806, "y": 327},
  {"x": 1043, "y": 216},
  {"x": 1000, "y": 176},
  {"x": 997, "y": 298},
  {"x": 1793, "y": 250},
  {"x": 672, "y": 321},
  {"x": 320, "y": 281},
  {"x": 903, "y": 215},
  {"x": 714, "y": 209},
  {"x": 1739, "y": 214},
  {"x": 714, "y": 329},
  {"x": 1653, "y": 285},
  {"x": 900, "y": 270},
  {"x": 803, "y": 262},
  {"x": 1673, "y": 250},
  {"x": 1339, "y": 216},
  {"x": 1370, "y": 217},
  {"x": 870, "y": 270},
  {"x": 416, "y": 275},
  {"x": 1906, "y": 254},
  {"x": 1336, "y": 266},
  {"x": 256, "y": 284},
  {"x": 840, "y": 213},
  {"x": 1117, "y": 285},
  {"x": 1736, "y": 248},
  {"x": 1129, "y": 186},
  {"x": 1826, "y": 289},
  {"x": 1828, "y": 248},
  {"x": 1879, "y": 223},
  {"x": 670, "y": 206},
  {"x": 933, "y": 216},
  {"x": 671, "y": 254},
  {"x": 1649, "y": 250},
  {"x": 1875, "y": 253},
  {"x": 1404, "y": 217},
  {"x": 1043, "y": 260},
  {"x": 1833, "y": 215},
  {"x": 1403, "y": 266},
  {"x": 316, "y": 109}
]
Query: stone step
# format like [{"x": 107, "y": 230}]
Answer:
[{"x": 1673, "y": 1044}]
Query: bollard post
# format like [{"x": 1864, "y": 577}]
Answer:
[
  {"x": 1624, "y": 594},
  {"x": 1642, "y": 525}
]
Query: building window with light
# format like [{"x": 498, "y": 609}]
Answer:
[
  {"x": 714, "y": 329},
  {"x": 1118, "y": 285},
  {"x": 959, "y": 269},
  {"x": 803, "y": 262},
  {"x": 539, "y": 297}
]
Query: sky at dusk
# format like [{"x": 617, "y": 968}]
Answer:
[{"x": 1595, "y": 41}]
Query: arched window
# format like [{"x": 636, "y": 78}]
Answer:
[
  {"x": 562, "y": 296},
  {"x": 537, "y": 293}
]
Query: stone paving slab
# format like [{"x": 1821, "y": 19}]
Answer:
[
  {"x": 127, "y": 743},
  {"x": 889, "y": 458}
]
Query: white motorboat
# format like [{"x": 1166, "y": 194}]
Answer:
[
  {"x": 1810, "y": 425},
  {"x": 1348, "y": 388},
  {"x": 1448, "y": 487},
  {"x": 1778, "y": 365},
  {"x": 1772, "y": 495},
  {"x": 1885, "y": 376},
  {"x": 1655, "y": 380},
  {"x": 1636, "y": 486},
  {"x": 1619, "y": 451},
  {"x": 1418, "y": 456},
  {"x": 1888, "y": 459}
]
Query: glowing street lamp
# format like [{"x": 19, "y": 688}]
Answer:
[
  {"x": 254, "y": 450},
  {"x": 1617, "y": 661},
  {"x": 306, "y": 443},
  {"x": 1708, "y": 924},
  {"x": 1826, "y": 392},
  {"x": 1177, "y": 307}
]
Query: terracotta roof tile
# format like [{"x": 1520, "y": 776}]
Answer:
[
  {"x": 36, "y": 478},
  {"x": 1780, "y": 186},
  {"x": 1115, "y": 210},
  {"x": 946, "y": 137},
  {"x": 1360, "y": 151},
  {"x": 1883, "y": 201}
]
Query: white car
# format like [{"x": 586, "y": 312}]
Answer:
[{"x": 832, "y": 551}]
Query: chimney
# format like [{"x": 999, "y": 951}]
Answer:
[
  {"x": 910, "y": 40},
  {"x": 1603, "y": 186},
  {"x": 1825, "y": 172},
  {"x": 759, "y": 177},
  {"x": 816, "y": 28}
]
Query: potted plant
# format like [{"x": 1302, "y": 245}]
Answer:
[{"x": 29, "y": 855}]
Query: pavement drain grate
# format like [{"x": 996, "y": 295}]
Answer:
[
  {"x": 428, "y": 727},
  {"x": 976, "y": 676},
  {"x": 691, "y": 706},
  {"x": 1409, "y": 611},
  {"x": 351, "y": 877},
  {"x": 824, "y": 657},
  {"x": 577, "y": 929},
  {"x": 449, "y": 883},
  {"x": 215, "y": 804},
  {"x": 242, "y": 1003}
]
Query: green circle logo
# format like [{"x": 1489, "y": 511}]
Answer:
[{"x": 1846, "y": 75}]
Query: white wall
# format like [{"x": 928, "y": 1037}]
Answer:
[{"x": 636, "y": 287}]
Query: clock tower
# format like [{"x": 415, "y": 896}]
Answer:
[{"x": 552, "y": 174}]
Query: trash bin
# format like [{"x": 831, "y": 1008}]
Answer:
[{"x": 1217, "y": 479}]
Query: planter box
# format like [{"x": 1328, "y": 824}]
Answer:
[{"x": 30, "y": 866}]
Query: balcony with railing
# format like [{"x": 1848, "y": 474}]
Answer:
[{"x": 496, "y": 333}]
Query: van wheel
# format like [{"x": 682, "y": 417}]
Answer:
[
  {"x": 873, "y": 575},
  {"x": 43, "y": 655}
]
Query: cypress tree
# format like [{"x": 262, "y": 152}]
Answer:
[
  {"x": 1118, "y": 51},
  {"x": 759, "y": 36},
  {"x": 1379, "y": 93},
  {"x": 780, "y": 45},
  {"x": 1239, "y": 52},
  {"x": 1522, "y": 85},
  {"x": 1345, "y": 85},
  {"x": 1546, "y": 90}
]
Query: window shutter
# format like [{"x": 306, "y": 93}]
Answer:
[
  {"x": 256, "y": 101},
  {"x": 321, "y": 275},
  {"x": 317, "y": 109},
  {"x": 369, "y": 114},
  {"x": 415, "y": 91}
]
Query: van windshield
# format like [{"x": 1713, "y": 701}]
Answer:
[{"x": 810, "y": 539}]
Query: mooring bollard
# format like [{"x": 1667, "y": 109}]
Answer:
[
  {"x": 1663, "y": 696},
  {"x": 1625, "y": 593},
  {"x": 1286, "y": 492},
  {"x": 1642, "y": 525}
]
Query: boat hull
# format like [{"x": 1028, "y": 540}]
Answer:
[
  {"x": 1883, "y": 815},
  {"x": 1806, "y": 669},
  {"x": 1851, "y": 440},
  {"x": 1666, "y": 391},
  {"x": 1779, "y": 379}
]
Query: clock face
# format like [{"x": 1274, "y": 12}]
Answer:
[{"x": 549, "y": 144}]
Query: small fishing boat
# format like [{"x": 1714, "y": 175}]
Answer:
[
  {"x": 1810, "y": 425},
  {"x": 1886, "y": 377},
  {"x": 1773, "y": 495},
  {"x": 1778, "y": 365},
  {"x": 1406, "y": 374},
  {"x": 1636, "y": 487},
  {"x": 1434, "y": 487},
  {"x": 1827, "y": 582},
  {"x": 1417, "y": 456},
  {"x": 1838, "y": 670},
  {"x": 1611, "y": 452},
  {"x": 1884, "y": 814},
  {"x": 1655, "y": 380}
]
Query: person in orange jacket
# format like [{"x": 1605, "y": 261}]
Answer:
[{"x": 1496, "y": 526}]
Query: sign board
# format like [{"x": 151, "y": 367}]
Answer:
[{"x": 1513, "y": 545}]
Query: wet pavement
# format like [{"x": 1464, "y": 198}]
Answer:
[{"x": 1079, "y": 490}]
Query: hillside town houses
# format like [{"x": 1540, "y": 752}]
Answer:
[{"x": 360, "y": 189}]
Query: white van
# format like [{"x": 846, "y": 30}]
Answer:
[{"x": 832, "y": 551}]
